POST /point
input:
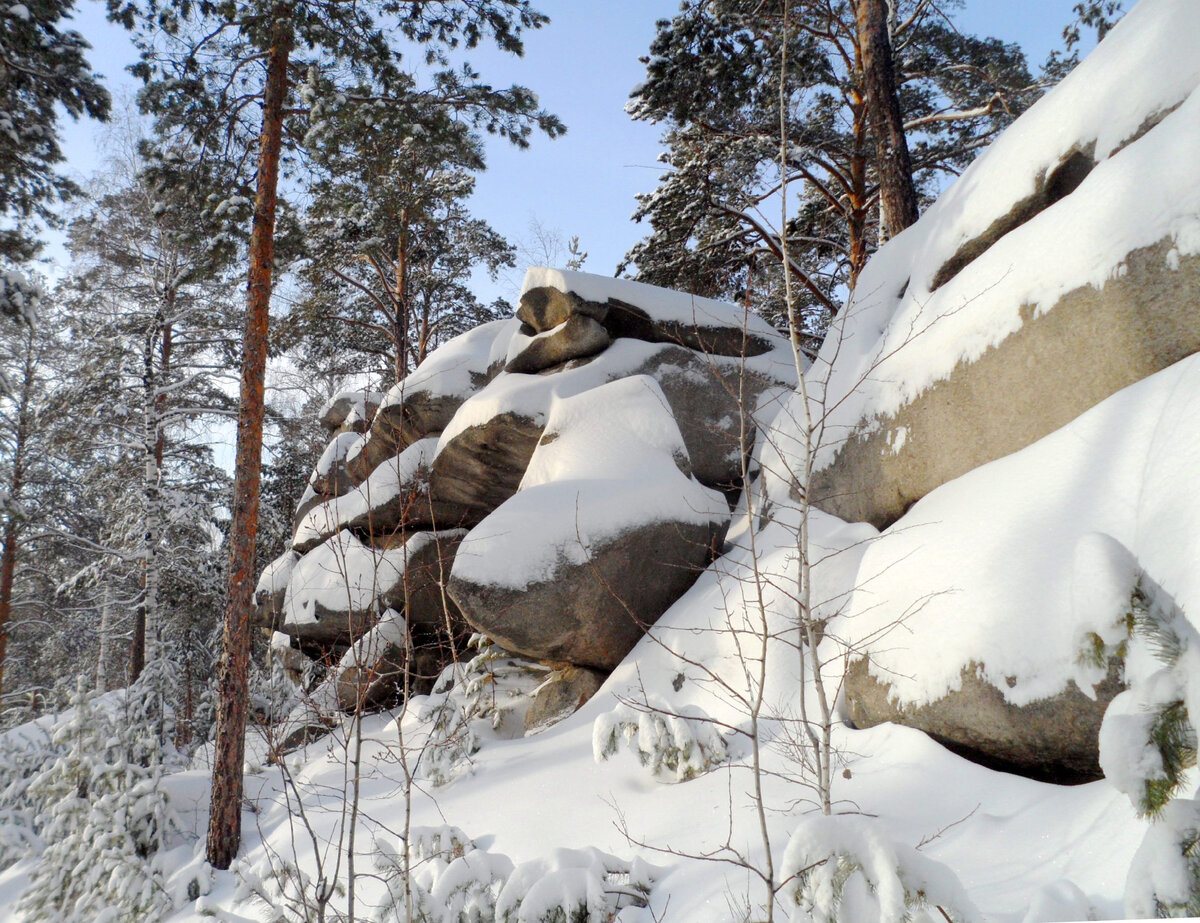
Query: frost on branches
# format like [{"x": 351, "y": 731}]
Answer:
[
  {"x": 104, "y": 820},
  {"x": 442, "y": 876},
  {"x": 843, "y": 869},
  {"x": 673, "y": 745}
]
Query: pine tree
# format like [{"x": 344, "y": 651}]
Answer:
[
  {"x": 713, "y": 82},
  {"x": 224, "y": 75},
  {"x": 42, "y": 67},
  {"x": 151, "y": 306},
  {"x": 37, "y": 492},
  {"x": 1096, "y": 17},
  {"x": 897, "y": 195},
  {"x": 391, "y": 238}
]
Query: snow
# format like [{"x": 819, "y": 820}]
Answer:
[
  {"x": 337, "y": 451},
  {"x": 364, "y": 653},
  {"x": 1007, "y": 552},
  {"x": 275, "y": 576},
  {"x": 1018, "y": 565},
  {"x": 340, "y": 575},
  {"x": 661, "y": 304},
  {"x": 454, "y": 369},
  {"x": 531, "y": 396},
  {"x": 607, "y": 464},
  {"x": 890, "y": 347},
  {"x": 385, "y": 483},
  {"x": 1159, "y": 872}
]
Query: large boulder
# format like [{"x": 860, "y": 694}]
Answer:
[
  {"x": 560, "y": 695},
  {"x": 552, "y": 297},
  {"x": 607, "y": 530},
  {"x": 580, "y": 448},
  {"x": 578, "y": 337},
  {"x": 989, "y": 613},
  {"x": 1060, "y": 268},
  {"x": 1096, "y": 340},
  {"x": 1052, "y": 739},
  {"x": 482, "y": 465},
  {"x": 590, "y": 612}
]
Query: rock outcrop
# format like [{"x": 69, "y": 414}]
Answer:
[
  {"x": 555, "y": 482},
  {"x": 1052, "y": 739},
  {"x": 1060, "y": 268},
  {"x": 1058, "y": 274}
]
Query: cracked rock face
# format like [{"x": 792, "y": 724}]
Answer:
[{"x": 555, "y": 481}]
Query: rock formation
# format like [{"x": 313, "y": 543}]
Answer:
[
  {"x": 555, "y": 481},
  {"x": 1063, "y": 267}
]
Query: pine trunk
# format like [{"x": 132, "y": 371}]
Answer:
[
  {"x": 225, "y": 822},
  {"x": 8, "y": 553},
  {"x": 8, "y": 570},
  {"x": 897, "y": 195},
  {"x": 400, "y": 300}
]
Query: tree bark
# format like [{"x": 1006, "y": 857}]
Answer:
[
  {"x": 12, "y": 525},
  {"x": 8, "y": 570},
  {"x": 897, "y": 195},
  {"x": 225, "y": 820}
]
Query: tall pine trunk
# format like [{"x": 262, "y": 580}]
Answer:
[
  {"x": 225, "y": 820},
  {"x": 12, "y": 522},
  {"x": 157, "y": 370},
  {"x": 897, "y": 195},
  {"x": 400, "y": 301}
]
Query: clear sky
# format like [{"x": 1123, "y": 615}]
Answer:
[{"x": 582, "y": 66}]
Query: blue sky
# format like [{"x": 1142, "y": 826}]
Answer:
[{"x": 582, "y": 66}]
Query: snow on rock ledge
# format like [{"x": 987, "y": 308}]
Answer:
[
  {"x": 607, "y": 529},
  {"x": 1063, "y": 266},
  {"x": 586, "y": 452},
  {"x": 973, "y": 608}
]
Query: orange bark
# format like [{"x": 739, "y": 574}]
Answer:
[{"x": 225, "y": 821}]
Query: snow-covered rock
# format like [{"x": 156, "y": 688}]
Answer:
[
  {"x": 636, "y": 421},
  {"x": 350, "y": 411},
  {"x": 578, "y": 337},
  {"x": 1063, "y": 266},
  {"x": 550, "y": 297},
  {"x": 961, "y": 582},
  {"x": 423, "y": 402},
  {"x": 607, "y": 529}
]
